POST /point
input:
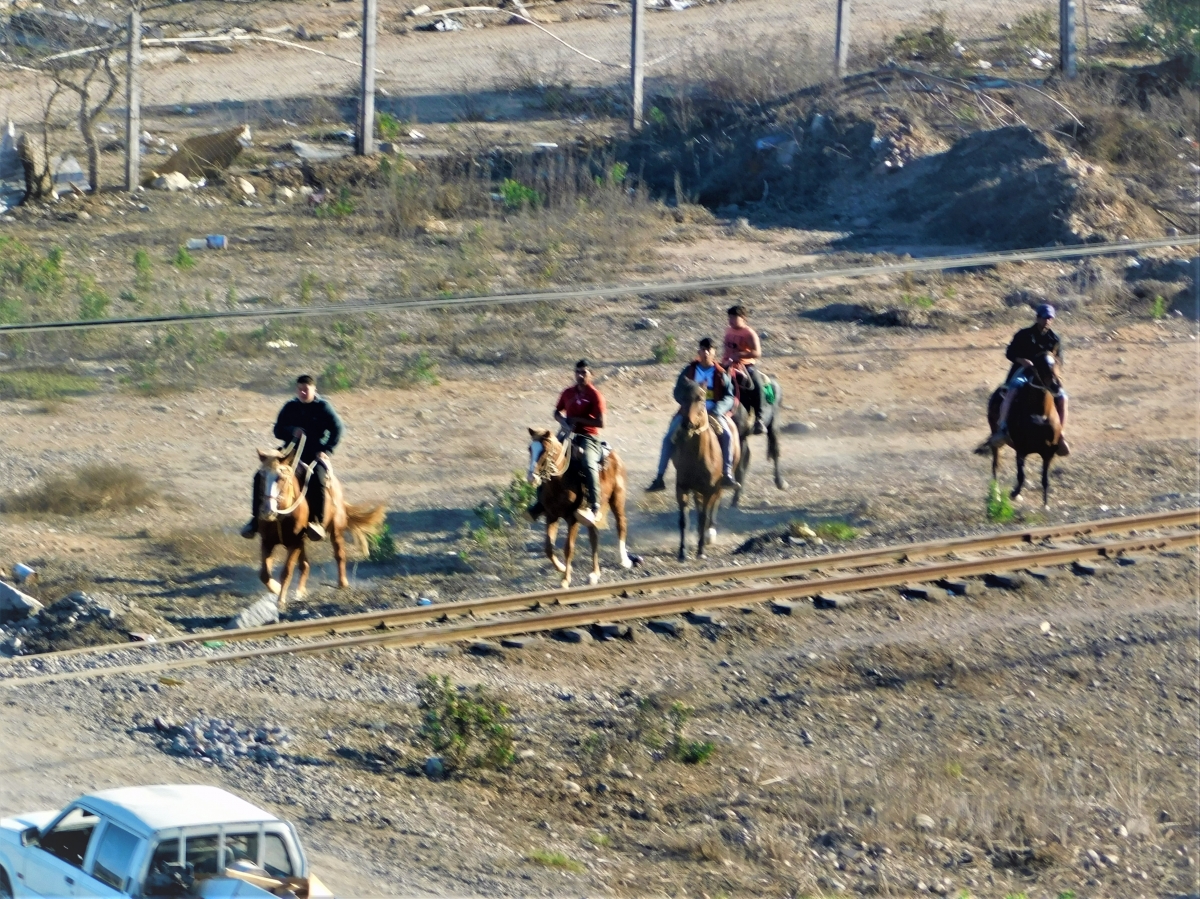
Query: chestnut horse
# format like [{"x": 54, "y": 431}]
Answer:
[
  {"x": 697, "y": 459},
  {"x": 1033, "y": 424},
  {"x": 283, "y": 517},
  {"x": 560, "y": 494}
]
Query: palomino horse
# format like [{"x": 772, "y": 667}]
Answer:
[
  {"x": 771, "y": 424},
  {"x": 1033, "y": 424},
  {"x": 283, "y": 517},
  {"x": 697, "y": 459},
  {"x": 560, "y": 494}
]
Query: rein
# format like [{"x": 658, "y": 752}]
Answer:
[
  {"x": 558, "y": 466},
  {"x": 692, "y": 431},
  {"x": 307, "y": 477}
]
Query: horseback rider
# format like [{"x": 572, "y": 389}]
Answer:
[
  {"x": 1027, "y": 344},
  {"x": 581, "y": 411},
  {"x": 312, "y": 417},
  {"x": 742, "y": 353},
  {"x": 718, "y": 388}
]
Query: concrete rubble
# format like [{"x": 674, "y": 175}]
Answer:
[
  {"x": 221, "y": 741},
  {"x": 265, "y": 611},
  {"x": 15, "y": 605}
]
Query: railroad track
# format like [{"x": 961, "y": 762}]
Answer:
[{"x": 550, "y": 610}]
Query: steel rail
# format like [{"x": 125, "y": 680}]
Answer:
[
  {"x": 389, "y": 618},
  {"x": 761, "y": 279},
  {"x": 646, "y": 608}
]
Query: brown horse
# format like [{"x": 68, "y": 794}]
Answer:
[
  {"x": 697, "y": 459},
  {"x": 560, "y": 494},
  {"x": 283, "y": 517},
  {"x": 1033, "y": 424}
]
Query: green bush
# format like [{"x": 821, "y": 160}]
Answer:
[
  {"x": 43, "y": 384},
  {"x": 143, "y": 270},
  {"x": 337, "y": 208},
  {"x": 388, "y": 126},
  {"x": 837, "y": 531},
  {"x": 560, "y": 860},
  {"x": 183, "y": 259},
  {"x": 999, "y": 507},
  {"x": 466, "y": 728},
  {"x": 665, "y": 351},
  {"x": 517, "y": 196},
  {"x": 419, "y": 370},
  {"x": 381, "y": 546},
  {"x": 1158, "y": 309},
  {"x": 93, "y": 302},
  {"x": 1174, "y": 26}
]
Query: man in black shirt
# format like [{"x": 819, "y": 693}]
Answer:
[
  {"x": 1028, "y": 343},
  {"x": 312, "y": 417}
]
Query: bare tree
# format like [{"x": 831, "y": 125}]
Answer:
[{"x": 94, "y": 87}]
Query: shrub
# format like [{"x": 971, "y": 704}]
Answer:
[
  {"x": 419, "y": 370},
  {"x": 681, "y": 749},
  {"x": 659, "y": 727},
  {"x": 466, "y": 728},
  {"x": 93, "y": 488},
  {"x": 999, "y": 507},
  {"x": 559, "y": 860},
  {"x": 183, "y": 259},
  {"x": 388, "y": 126},
  {"x": 838, "y": 531},
  {"x": 1158, "y": 308},
  {"x": 143, "y": 270},
  {"x": 43, "y": 384},
  {"x": 517, "y": 196},
  {"x": 1174, "y": 25},
  {"x": 665, "y": 351},
  {"x": 381, "y": 546},
  {"x": 93, "y": 302},
  {"x": 337, "y": 208},
  {"x": 935, "y": 43}
]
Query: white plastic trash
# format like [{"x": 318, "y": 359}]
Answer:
[{"x": 23, "y": 572}]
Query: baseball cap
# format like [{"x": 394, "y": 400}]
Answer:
[{"x": 1045, "y": 310}]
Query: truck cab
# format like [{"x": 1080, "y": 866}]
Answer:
[{"x": 153, "y": 842}]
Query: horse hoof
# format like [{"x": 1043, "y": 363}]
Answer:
[
  {"x": 273, "y": 587},
  {"x": 565, "y": 583},
  {"x": 343, "y": 584},
  {"x": 781, "y": 484},
  {"x": 1046, "y": 507},
  {"x": 682, "y": 556},
  {"x": 559, "y": 566},
  {"x": 712, "y": 535},
  {"x": 701, "y": 555},
  {"x": 627, "y": 563},
  {"x": 594, "y": 578}
]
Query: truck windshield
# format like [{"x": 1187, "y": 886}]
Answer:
[{"x": 70, "y": 837}]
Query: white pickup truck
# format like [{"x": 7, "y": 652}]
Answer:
[{"x": 148, "y": 842}]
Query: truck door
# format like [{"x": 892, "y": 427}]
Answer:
[
  {"x": 54, "y": 866},
  {"x": 110, "y": 871}
]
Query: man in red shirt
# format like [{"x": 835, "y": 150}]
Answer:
[
  {"x": 581, "y": 410},
  {"x": 743, "y": 350}
]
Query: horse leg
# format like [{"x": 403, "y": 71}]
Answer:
[
  {"x": 705, "y": 512},
  {"x": 302, "y": 586},
  {"x": 569, "y": 551},
  {"x": 1020, "y": 476},
  {"x": 616, "y": 502},
  {"x": 681, "y": 498},
  {"x": 338, "y": 539},
  {"x": 551, "y": 536},
  {"x": 1046, "y": 460},
  {"x": 995, "y": 462},
  {"x": 289, "y": 568},
  {"x": 594, "y": 538},
  {"x": 714, "y": 505},
  {"x": 773, "y": 454},
  {"x": 264, "y": 571}
]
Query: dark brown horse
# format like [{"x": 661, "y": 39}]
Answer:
[
  {"x": 1033, "y": 424},
  {"x": 697, "y": 460},
  {"x": 771, "y": 424},
  {"x": 560, "y": 494},
  {"x": 283, "y": 517}
]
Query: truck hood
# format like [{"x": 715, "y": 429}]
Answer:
[{"x": 18, "y": 823}]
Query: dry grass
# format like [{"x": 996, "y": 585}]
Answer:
[
  {"x": 203, "y": 548},
  {"x": 92, "y": 488}
]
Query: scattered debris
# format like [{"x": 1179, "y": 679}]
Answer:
[
  {"x": 211, "y": 242},
  {"x": 784, "y": 146},
  {"x": 443, "y": 24},
  {"x": 23, "y": 572},
  {"x": 172, "y": 181},
  {"x": 67, "y": 176},
  {"x": 645, "y": 324},
  {"x": 15, "y": 605},
  {"x": 311, "y": 153}
]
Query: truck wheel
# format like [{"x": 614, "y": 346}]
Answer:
[{"x": 6, "y": 890}]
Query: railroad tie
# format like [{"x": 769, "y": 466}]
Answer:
[
  {"x": 1004, "y": 580},
  {"x": 956, "y": 587},
  {"x": 832, "y": 601},
  {"x": 665, "y": 626}
]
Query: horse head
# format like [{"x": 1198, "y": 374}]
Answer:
[
  {"x": 1046, "y": 367},
  {"x": 546, "y": 457},
  {"x": 280, "y": 490},
  {"x": 695, "y": 408}
]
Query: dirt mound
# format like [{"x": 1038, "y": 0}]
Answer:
[
  {"x": 80, "y": 619},
  {"x": 1017, "y": 187}
]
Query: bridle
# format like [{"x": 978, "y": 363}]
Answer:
[
  {"x": 543, "y": 468},
  {"x": 291, "y": 473}
]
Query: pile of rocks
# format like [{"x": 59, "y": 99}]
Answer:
[
  {"x": 222, "y": 741},
  {"x": 35, "y": 633}
]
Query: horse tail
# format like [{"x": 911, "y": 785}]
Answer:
[{"x": 364, "y": 522}]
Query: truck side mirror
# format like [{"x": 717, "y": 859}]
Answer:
[{"x": 29, "y": 836}]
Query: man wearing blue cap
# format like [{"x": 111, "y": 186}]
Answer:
[{"x": 1036, "y": 340}]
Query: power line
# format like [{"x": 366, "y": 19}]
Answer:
[{"x": 935, "y": 263}]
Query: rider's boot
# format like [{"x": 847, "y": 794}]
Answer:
[
  {"x": 250, "y": 529},
  {"x": 591, "y": 517},
  {"x": 657, "y": 485}
]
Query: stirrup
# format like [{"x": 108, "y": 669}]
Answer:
[
  {"x": 758, "y": 427},
  {"x": 588, "y": 517},
  {"x": 1062, "y": 449}
]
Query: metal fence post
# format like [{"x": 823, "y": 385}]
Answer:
[
  {"x": 133, "y": 102},
  {"x": 841, "y": 51},
  {"x": 637, "y": 64},
  {"x": 366, "y": 105},
  {"x": 1066, "y": 38}
]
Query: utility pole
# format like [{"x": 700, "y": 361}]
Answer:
[
  {"x": 637, "y": 65},
  {"x": 133, "y": 102},
  {"x": 366, "y": 103},
  {"x": 1066, "y": 38},
  {"x": 841, "y": 52}
]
